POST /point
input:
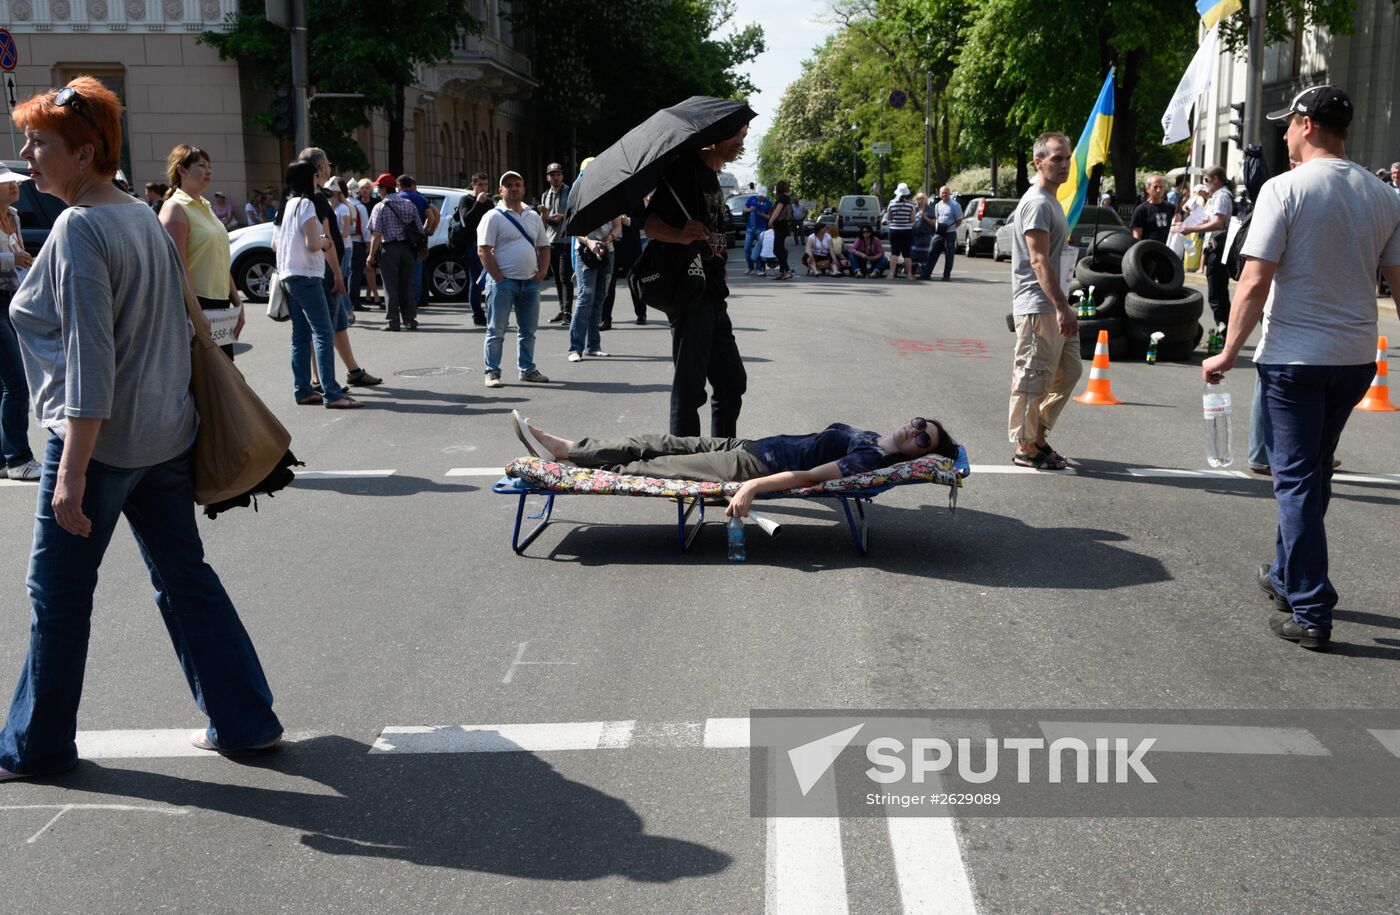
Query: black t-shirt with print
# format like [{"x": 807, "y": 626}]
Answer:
[
  {"x": 1154, "y": 219},
  {"x": 697, "y": 187},
  {"x": 325, "y": 211}
]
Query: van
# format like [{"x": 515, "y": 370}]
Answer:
[{"x": 855, "y": 211}]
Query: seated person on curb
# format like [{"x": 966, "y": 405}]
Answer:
[
  {"x": 868, "y": 254},
  {"x": 819, "y": 256},
  {"x": 772, "y": 464}
]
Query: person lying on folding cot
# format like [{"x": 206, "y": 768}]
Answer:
[{"x": 772, "y": 464}]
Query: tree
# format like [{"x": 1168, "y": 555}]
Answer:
[
  {"x": 348, "y": 51},
  {"x": 604, "y": 67}
]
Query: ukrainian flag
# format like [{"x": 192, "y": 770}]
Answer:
[
  {"x": 1091, "y": 150},
  {"x": 1212, "y": 11}
]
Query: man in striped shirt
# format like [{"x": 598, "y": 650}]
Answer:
[{"x": 899, "y": 217}]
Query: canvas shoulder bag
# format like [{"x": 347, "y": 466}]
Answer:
[{"x": 669, "y": 277}]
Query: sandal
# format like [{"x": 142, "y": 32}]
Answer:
[
  {"x": 345, "y": 403},
  {"x": 1050, "y": 454},
  {"x": 1038, "y": 461},
  {"x": 310, "y": 400}
]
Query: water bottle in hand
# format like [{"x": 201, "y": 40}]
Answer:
[
  {"x": 735, "y": 531},
  {"x": 1216, "y": 403}
]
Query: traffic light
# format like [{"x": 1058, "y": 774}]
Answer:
[
  {"x": 283, "y": 115},
  {"x": 1237, "y": 124}
]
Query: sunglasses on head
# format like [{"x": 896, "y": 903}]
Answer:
[
  {"x": 68, "y": 97},
  {"x": 923, "y": 439}
]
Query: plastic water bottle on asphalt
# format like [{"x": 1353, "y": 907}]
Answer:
[
  {"x": 1152, "y": 342},
  {"x": 1091, "y": 308},
  {"x": 1216, "y": 403},
  {"x": 734, "y": 529},
  {"x": 1215, "y": 343}
]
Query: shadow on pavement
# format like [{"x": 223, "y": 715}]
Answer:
[
  {"x": 505, "y": 813},
  {"x": 395, "y": 485},
  {"x": 968, "y": 546}
]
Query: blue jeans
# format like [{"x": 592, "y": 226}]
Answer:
[
  {"x": 215, "y": 653},
  {"x": 14, "y": 394},
  {"x": 418, "y": 281},
  {"x": 867, "y": 267},
  {"x": 1258, "y": 428},
  {"x": 524, "y": 297},
  {"x": 312, "y": 330},
  {"x": 591, "y": 285},
  {"x": 347, "y": 305},
  {"x": 944, "y": 243},
  {"x": 1306, "y": 407},
  {"x": 753, "y": 238}
]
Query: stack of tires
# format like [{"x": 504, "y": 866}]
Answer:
[{"x": 1139, "y": 290}]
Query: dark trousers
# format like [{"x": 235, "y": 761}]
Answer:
[
  {"x": 703, "y": 349},
  {"x": 1307, "y": 407},
  {"x": 476, "y": 292},
  {"x": 358, "y": 251},
  {"x": 396, "y": 264},
  {"x": 562, "y": 265},
  {"x": 673, "y": 457},
  {"x": 14, "y": 395},
  {"x": 945, "y": 244},
  {"x": 780, "y": 236},
  {"x": 1218, "y": 284}
]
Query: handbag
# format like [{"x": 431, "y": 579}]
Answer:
[
  {"x": 240, "y": 447},
  {"x": 588, "y": 258},
  {"x": 417, "y": 240},
  {"x": 669, "y": 277},
  {"x": 277, "y": 308}
]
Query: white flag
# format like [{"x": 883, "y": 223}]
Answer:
[{"x": 1195, "y": 82}]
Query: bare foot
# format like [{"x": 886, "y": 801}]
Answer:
[{"x": 558, "y": 447}]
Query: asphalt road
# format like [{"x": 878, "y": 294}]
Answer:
[{"x": 393, "y": 601}]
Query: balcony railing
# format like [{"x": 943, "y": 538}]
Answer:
[{"x": 470, "y": 49}]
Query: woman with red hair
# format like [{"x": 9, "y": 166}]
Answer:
[{"x": 105, "y": 338}]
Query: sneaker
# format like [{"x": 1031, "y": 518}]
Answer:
[
  {"x": 1286, "y": 627},
  {"x": 748, "y": 272},
  {"x": 7, "y": 776},
  {"x": 575, "y": 357},
  {"x": 390, "y": 328},
  {"x": 606, "y": 325},
  {"x": 1264, "y": 471},
  {"x": 559, "y": 318},
  {"x": 535, "y": 377},
  {"x": 363, "y": 378},
  {"x": 201, "y": 740},
  {"x": 493, "y": 379},
  {"x": 28, "y": 472},
  {"x": 595, "y": 352},
  {"x": 1264, "y": 579}
]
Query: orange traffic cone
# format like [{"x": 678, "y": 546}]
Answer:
[
  {"x": 1377, "y": 398},
  {"x": 1100, "y": 390}
]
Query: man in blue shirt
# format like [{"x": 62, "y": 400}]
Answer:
[
  {"x": 756, "y": 210},
  {"x": 771, "y": 464},
  {"x": 430, "y": 216},
  {"x": 943, "y": 216}
]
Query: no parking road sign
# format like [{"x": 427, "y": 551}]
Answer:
[{"x": 9, "y": 54}]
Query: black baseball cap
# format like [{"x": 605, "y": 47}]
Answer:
[{"x": 1327, "y": 105}]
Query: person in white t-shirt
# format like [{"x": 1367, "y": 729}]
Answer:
[
  {"x": 1316, "y": 238},
  {"x": 514, "y": 251},
  {"x": 1220, "y": 206}
]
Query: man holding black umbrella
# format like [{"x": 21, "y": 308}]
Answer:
[{"x": 688, "y": 207}]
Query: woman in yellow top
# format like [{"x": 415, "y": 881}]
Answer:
[{"x": 198, "y": 234}]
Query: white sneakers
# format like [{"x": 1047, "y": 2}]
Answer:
[
  {"x": 575, "y": 357},
  {"x": 28, "y": 473}
]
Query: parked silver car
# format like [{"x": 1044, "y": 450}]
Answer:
[
  {"x": 253, "y": 260},
  {"x": 982, "y": 216},
  {"x": 1091, "y": 220}
]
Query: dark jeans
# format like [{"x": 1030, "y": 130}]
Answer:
[
  {"x": 945, "y": 244},
  {"x": 780, "y": 236},
  {"x": 719, "y": 460},
  {"x": 14, "y": 394},
  {"x": 476, "y": 293},
  {"x": 703, "y": 349},
  {"x": 562, "y": 265},
  {"x": 1218, "y": 284},
  {"x": 1306, "y": 408},
  {"x": 396, "y": 265},
  {"x": 215, "y": 653},
  {"x": 356, "y": 280}
]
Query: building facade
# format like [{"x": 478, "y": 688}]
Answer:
[
  {"x": 1366, "y": 64},
  {"x": 471, "y": 112}
]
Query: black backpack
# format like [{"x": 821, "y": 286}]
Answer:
[{"x": 458, "y": 238}]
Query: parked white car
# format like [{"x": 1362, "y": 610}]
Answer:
[{"x": 252, "y": 258}]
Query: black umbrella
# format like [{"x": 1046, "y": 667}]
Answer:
[{"x": 626, "y": 171}]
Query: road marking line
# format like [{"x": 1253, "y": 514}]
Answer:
[
  {"x": 1196, "y": 738},
  {"x": 476, "y": 472},
  {"x": 64, "y": 808},
  {"x": 726, "y": 733},
  {"x": 153, "y": 743},
  {"x": 501, "y": 738},
  {"x": 510, "y": 671},
  {"x": 1015, "y": 468},
  {"x": 806, "y": 872},
  {"x": 1173, "y": 473},
  {"x": 1366, "y": 478},
  {"x": 929, "y": 866},
  {"x": 9, "y": 482},
  {"x": 1389, "y": 739},
  {"x": 342, "y": 474}
]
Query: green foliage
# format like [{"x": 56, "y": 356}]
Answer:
[
  {"x": 349, "y": 51},
  {"x": 604, "y": 67},
  {"x": 1285, "y": 19}
]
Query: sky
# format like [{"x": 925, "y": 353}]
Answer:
[{"x": 791, "y": 29}]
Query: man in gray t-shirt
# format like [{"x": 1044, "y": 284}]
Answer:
[
  {"x": 1047, "y": 365},
  {"x": 1317, "y": 235}
]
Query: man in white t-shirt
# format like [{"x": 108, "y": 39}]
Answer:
[
  {"x": 1317, "y": 235},
  {"x": 1046, "y": 366},
  {"x": 514, "y": 251}
]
